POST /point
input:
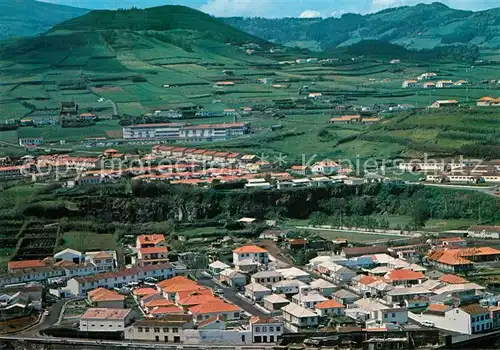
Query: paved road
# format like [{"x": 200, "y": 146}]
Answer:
[
  {"x": 230, "y": 295},
  {"x": 46, "y": 321}
]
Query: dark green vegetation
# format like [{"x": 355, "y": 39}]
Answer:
[
  {"x": 29, "y": 17},
  {"x": 417, "y": 27}
]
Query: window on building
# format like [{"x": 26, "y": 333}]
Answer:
[
  {"x": 271, "y": 338},
  {"x": 264, "y": 329},
  {"x": 146, "y": 329},
  {"x": 156, "y": 330},
  {"x": 175, "y": 330},
  {"x": 393, "y": 314},
  {"x": 278, "y": 329},
  {"x": 271, "y": 329},
  {"x": 257, "y": 329},
  {"x": 386, "y": 315},
  {"x": 165, "y": 330}
]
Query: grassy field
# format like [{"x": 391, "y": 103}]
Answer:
[{"x": 87, "y": 241}]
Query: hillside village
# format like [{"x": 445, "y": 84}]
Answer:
[{"x": 411, "y": 294}]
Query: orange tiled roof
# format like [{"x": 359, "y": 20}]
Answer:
[
  {"x": 184, "y": 294},
  {"x": 367, "y": 279},
  {"x": 212, "y": 308},
  {"x": 153, "y": 250},
  {"x": 175, "y": 280},
  {"x": 210, "y": 320},
  {"x": 103, "y": 294},
  {"x": 197, "y": 299},
  {"x": 438, "y": 307},
  {"x": 452, "y": 279},
  {"x": 151, "y": 239},
  {"x": 249, "y": 249},
  {"x": 158, "y": 303},
  {"x": 144, "y": 291},
  {"x": 329, "y": 304},
  {"x": 166, "y": 310},
  {"x": 25, "y": 264},
  {"x": 402, "y": 275},
  {"x": 263, "y": 320},
  {"x": 459, "y": 256}
]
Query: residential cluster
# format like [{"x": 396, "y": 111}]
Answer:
[
  {"x": 465, "y": 171},
  {"x": 428, "y": 81}
]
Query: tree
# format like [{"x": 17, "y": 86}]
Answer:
[{"x": 419, "y": 214}]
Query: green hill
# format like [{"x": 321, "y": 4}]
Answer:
[
  {"x": 162, "y": 18},
  {"x": 29, "y": 17},
  {"x": 414, "y": 27}
]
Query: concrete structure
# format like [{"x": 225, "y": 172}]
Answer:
[
  {"x": 217, "y": 267},
  {"x": 69, "y": 254},
  {"x": 267, "y": 278},
  {"x": 275, "y": 302},
  {"x": 330, "y": 308},
  {"x": 106, "y": 320},
  {"x": 215, "y": 331},
  {"x": 184, "y": 132},
  {"x": 298, "y": 318},
  {"x": 296, "y": 274},
  {"x": 102, "y": 260},
  {"x": 288, "y": 287},
  {"x": 252, "y": 253},
  {"x": 233, "y": 278},
  {"x": 256, "y": 291},
  {"x": 308, "y": 299},
  {"x": 325, "y": 288},
  {"x": 266, "y": 329},
  {"x": 105, "y": 298},
  {"x": 169, "y": 329}
]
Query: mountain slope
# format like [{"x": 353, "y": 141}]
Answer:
[
  {"x": 160, "y": 18},
  {"x": 414, "y": 27},
  {"x": 29, "y": 17}
]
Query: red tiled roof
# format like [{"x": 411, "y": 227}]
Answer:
[
  {"x": 105, "y": 314},
  {"x": 25, "y": 264},
  {"x": 249, "y": 249},
  {"x": 298, "y": 241},
  {"x": 212, "y": 308},
  {"x": 144, "y": 291},
  {"x": 452, "y": 279},
  {"x": 103, "y": 294},
  {"x": 404, "y": 275},
  {"x": 438, "y": 308},
  {"x": 175, "y": 280},
  {"x": 166, "y": 310},
  {"x": 210, "y": 320},
  {"x": 153, "y": 250},
  {"x": 158, "y": 303},
  {"x": 367, "y": 279},
  {"x": 151, "y": 239},
  {"x": 329, "y": 304},
  {"x": 263, "y": 320},
  {"x": 197, "y": 299}
]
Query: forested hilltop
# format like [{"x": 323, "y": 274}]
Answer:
[{"x": 423, "y": 26}]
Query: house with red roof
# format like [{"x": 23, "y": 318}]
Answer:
[
  {"x": 105, "y": 298},
  {"x": 461, "y": 259},
  {"x": 25, "y": 264},
  {"x": 162, "y": 311},
  {"x": 151, "y": 250},
  {"x": 250, "y": 253},
  {"x": 404, "y": 277},
  {"x": 223, "y": 309},
  {"x": 330, "y": 307}
]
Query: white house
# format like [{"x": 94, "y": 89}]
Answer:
[
  {"x": 297, "y": 317},
  {"x": 274, "y": 302},
  {"x": 410, "y": 83},
  {"x": 467, "y": 319},
  {"x": 295, "y": 273},
  {"x": 324, "y": 287},
  {"x": 80, "y": 286},
  {"x": 256, "y": 291},
  {"x": 105, "y": 298},
  {"x": 288, "y": 287},
  {"x": 215, "y": 331},
  {"x": 69, "y": 254},
  {"x": 252, "y": 253},
  {"x": 106, "y": 320},
  {"x": 168, "y": 329},
  {"x": 233, "y": 278},
  {"x": 266, "y": 329},
  {"x": 330, "y": 308},
  {"x": 325, "y": 167},
  {"x": 103, "y": 260},
  {"x": 227, "y": 311},
  {"x": 267, "y": 278},
  {"x": 308, "y": 299},
  {"x": 217, "y": 267}
]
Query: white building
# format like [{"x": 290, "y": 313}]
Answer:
[
  {"x": 288, "y": 287},
  {"x": 325, "y": 167},
  {"x": 409, "y": 84},
  {"x": 324, "y": 287},
  {"x": 266, "y": 329},
  {"x": 256, "y": 291},
  {"x": 330, "y": 308},
  {"x": 217, "y": 267},
  {"x": 275, "y": 302},
  {"x": 103, "y": 260},
  {"x": 31, "y": 141},
  {"x": 179, "y": 131},
  {"x": 106, "y": 320},
  {"x": 69, "y": 254},
  {"x": 467, "y": 319},
  {"x": 267, "y": 278},
  {"x": 215, "y": 331},
  {"x": 308, "y": 299},
  {"x": 295, "y": 273},
  {"x": 233, "y": 278},
  {"x": 168, "y": 329},
  {"x": 297, "y": 317},
  {"x": 250, "y": 252},
  {"x": 79, "y": 286}
]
